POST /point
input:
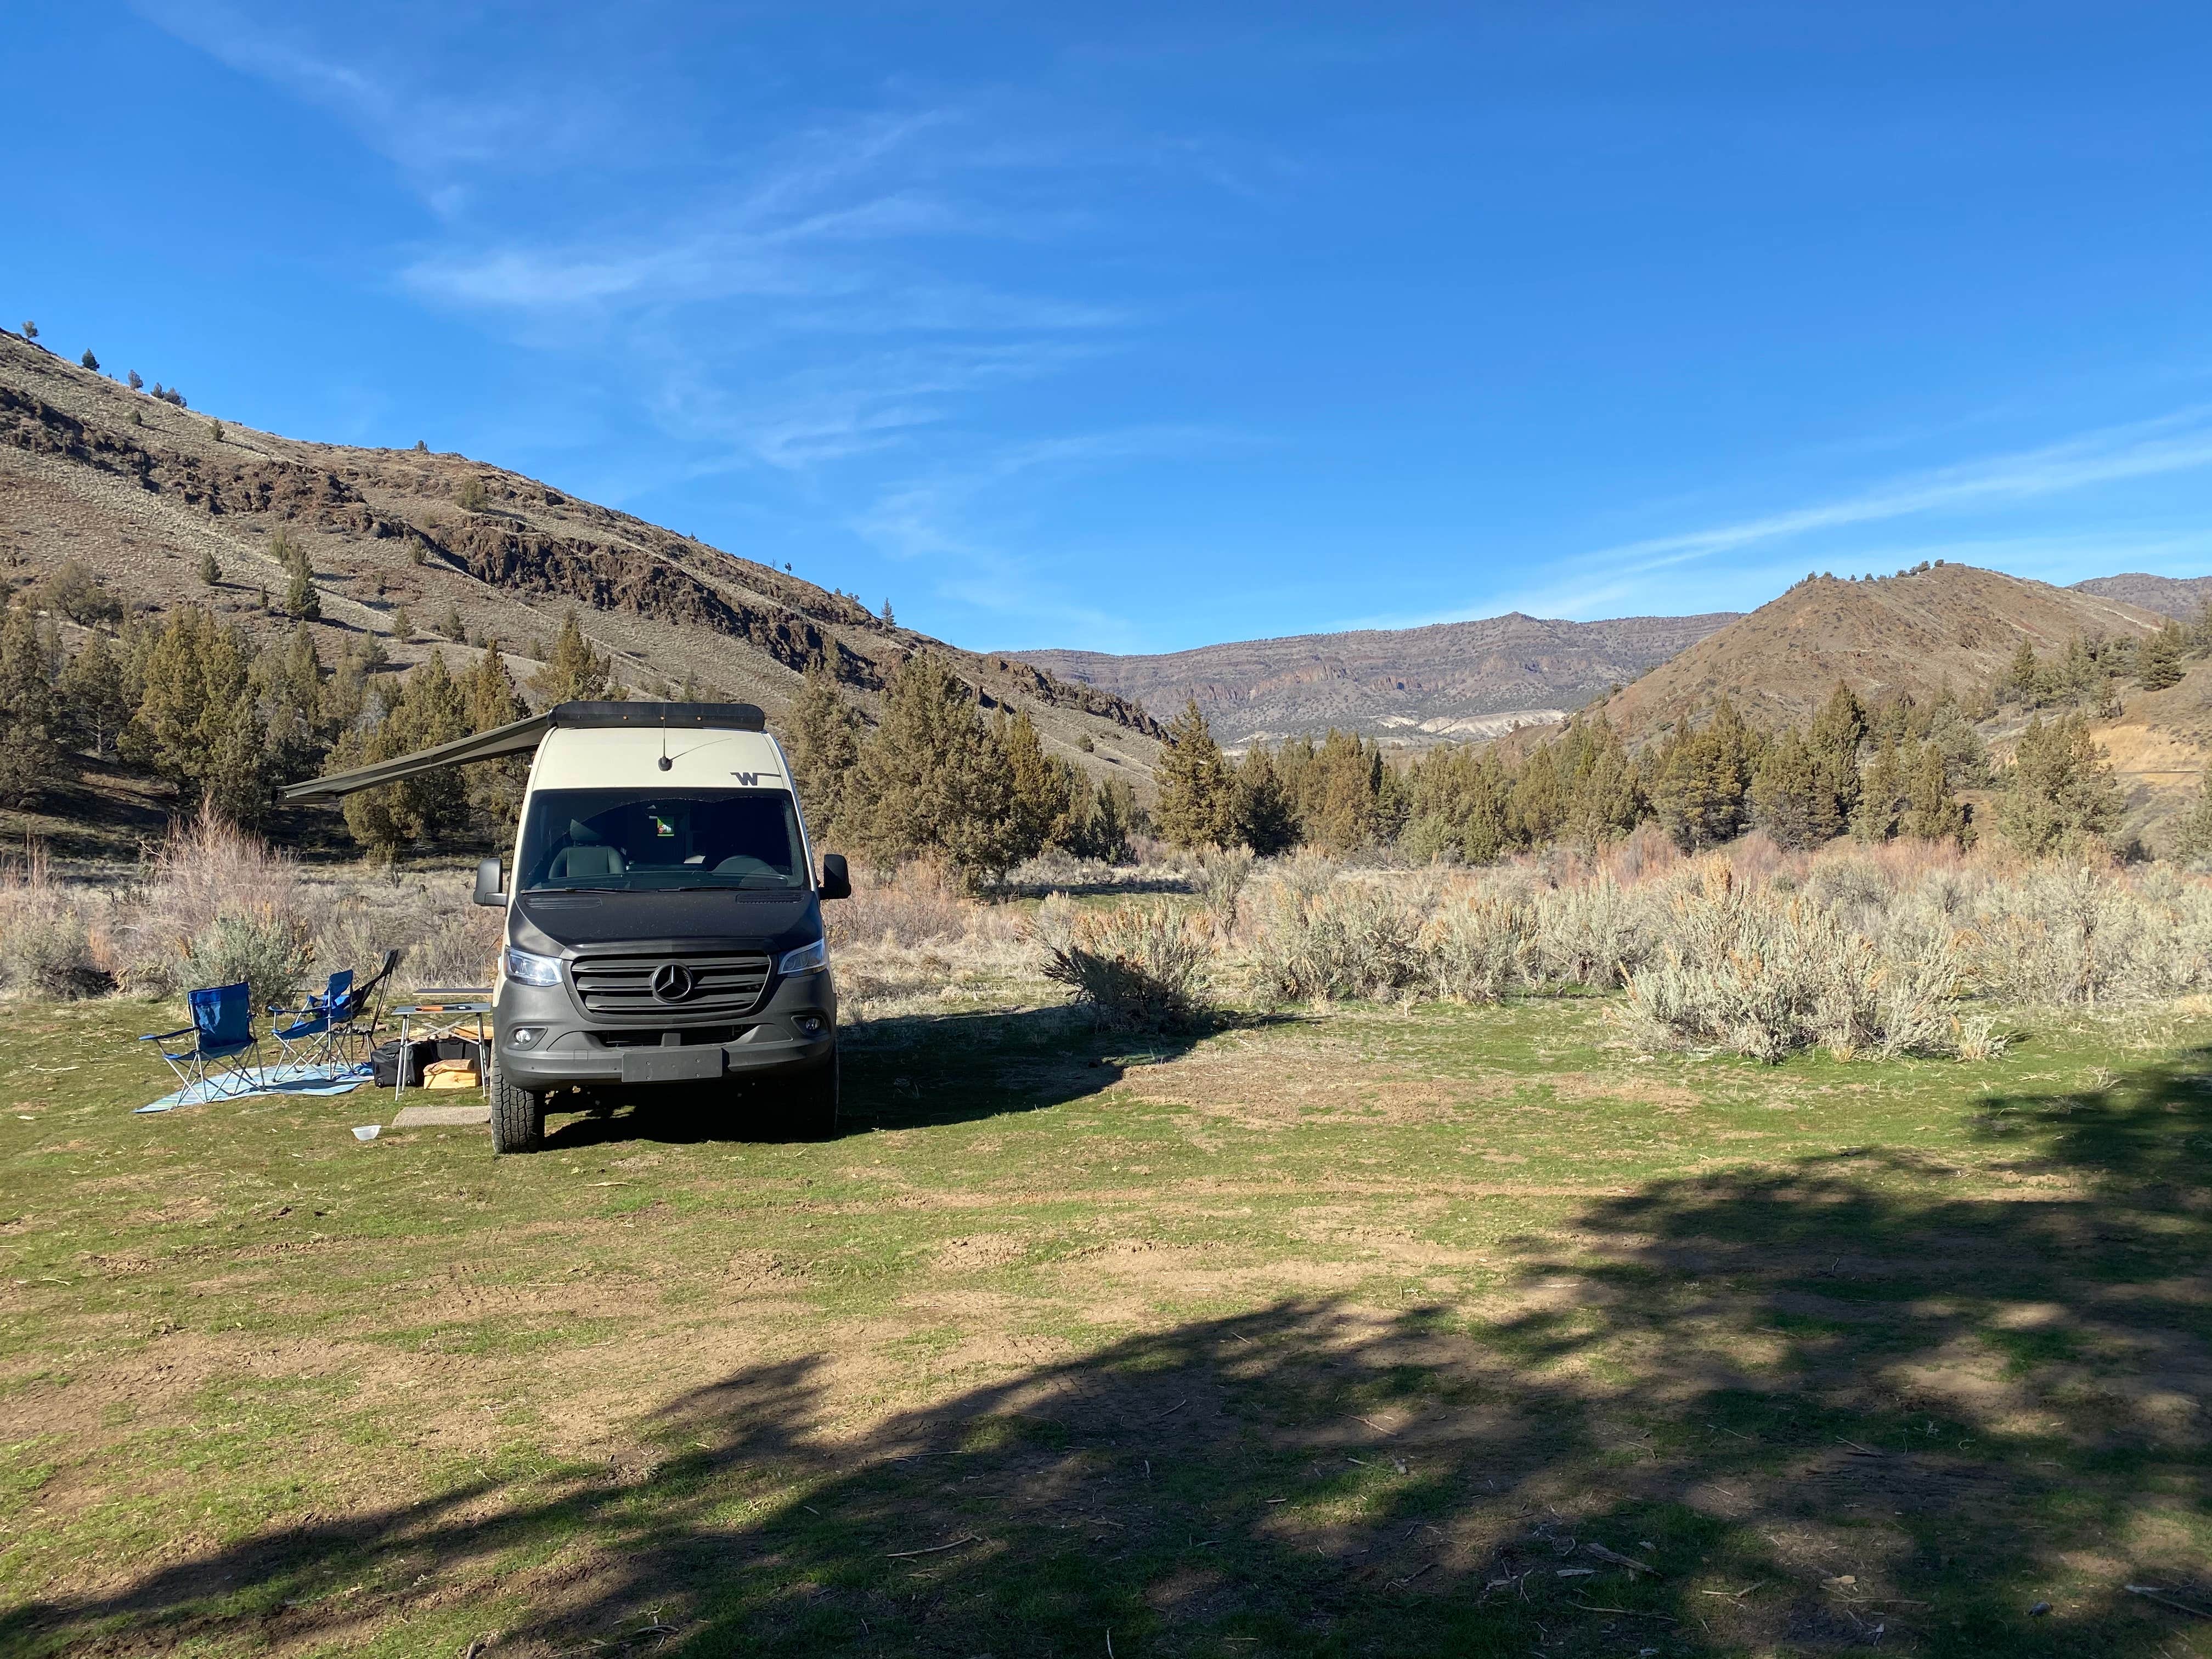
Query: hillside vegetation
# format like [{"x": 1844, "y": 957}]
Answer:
[
  {"x": 150, "y": 505},
  {"x": 1411, "y": 687}
]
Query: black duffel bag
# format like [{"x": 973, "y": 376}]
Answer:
[{"x": 385, "y": 1057}]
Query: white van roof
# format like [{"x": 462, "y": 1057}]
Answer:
[{"x": 523, "y": 736}]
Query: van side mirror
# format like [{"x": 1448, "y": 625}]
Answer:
[
  {"x": 836, "y": 880},
  {"x": 488, "y": 891}
]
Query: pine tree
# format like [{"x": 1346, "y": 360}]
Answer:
[
  {"x": 30, "y": 750},
  {"x": 574, "y": 672},
  {"x": 1198, "y": 794},
  {"x": 1264, "y": 821},
  {"x": 2158, "y": 663},
  {"x": 822, "y": 742},
  {"x": 94, "y": 697},
  {"x": 1935, "y": 813},
  {"x": 210, "y": 572},
  {"x": 2061, "y": 797},
  {"x": 930, "y": 780}
]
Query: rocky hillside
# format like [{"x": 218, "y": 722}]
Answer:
[
  {"x": 1415, "y": 685},
  {"x": 137, "y": 490},
  {"x": 1893, "y": 634},
  {"x": 2170, "y": 596}
]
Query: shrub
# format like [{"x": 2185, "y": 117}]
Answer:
[
  {"x": 264, "y": 946},
  {"x": 915, "y": 903},
  {"x": 1337, "y": 941},
  {"x": 1592, "y": 934},
  {"x": 206, "y": 870},
  {"x": 1222, "y": 876},
  {"x": 1475, "y": 949},
  {"x": 1139, "y": 967},
  {"x": 1745, "y": 970},
  {"x": 46, "y": 947}
]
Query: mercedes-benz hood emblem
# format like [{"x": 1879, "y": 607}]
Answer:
[{"x": 671, "y": 981}]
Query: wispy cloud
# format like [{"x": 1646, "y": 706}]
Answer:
[
  {"x": 1600, "y": 582},
  {"x": 431, "y": 134}
]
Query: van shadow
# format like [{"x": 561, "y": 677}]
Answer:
[
  {"x": 912, "y": 1071},
  {"x": 1842, "y": 1405}
]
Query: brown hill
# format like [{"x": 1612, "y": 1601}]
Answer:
[
  {"x": 1908, "y": 632},
  {"x": 2170, "y": 596},
  {"x": 1412, "y": 685},
  {"x": 137, "y": 490}
]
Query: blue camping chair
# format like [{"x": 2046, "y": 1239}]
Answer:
[
  {"x": 312, "y": 1038},
  {"x": 225, "y": 1054}
]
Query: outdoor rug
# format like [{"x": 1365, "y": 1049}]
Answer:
[{"x": 289, "y": 1080}]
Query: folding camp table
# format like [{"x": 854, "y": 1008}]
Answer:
[{"x": 443, "y": 999}]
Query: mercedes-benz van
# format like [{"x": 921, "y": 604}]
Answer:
[{"x": 664, "y": 917}]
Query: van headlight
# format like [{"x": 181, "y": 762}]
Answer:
[
  {"x": 525, "y": 969},
  {"x": 807, "y": 959}
]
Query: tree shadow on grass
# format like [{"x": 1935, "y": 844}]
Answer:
[
  {"x": 1844, "y": 1403},
  {"x": 913, "y": 1071}
]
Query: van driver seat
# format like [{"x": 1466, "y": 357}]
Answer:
[{"x": 575, "y": 860}]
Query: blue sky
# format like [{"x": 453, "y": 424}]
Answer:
[{"x": 1136, "y": 327}]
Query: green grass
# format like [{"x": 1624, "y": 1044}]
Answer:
[{"x": 1318, "y": 1336}]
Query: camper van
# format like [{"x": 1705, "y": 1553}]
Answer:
[{"x": 664, "y": 917}]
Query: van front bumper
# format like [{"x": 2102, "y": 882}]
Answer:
[{"x": 795, "y": 1029}]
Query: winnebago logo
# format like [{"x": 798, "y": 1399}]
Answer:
[
  {"x": 748, "y": 779},
  {"x": 671, "y": 981}
]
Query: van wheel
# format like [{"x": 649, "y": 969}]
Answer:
[
  {"x": 812, "y": 1112},
  {"x": 518, "y": 1116}
]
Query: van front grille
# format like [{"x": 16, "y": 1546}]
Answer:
[{"x": 728, "y": 983}]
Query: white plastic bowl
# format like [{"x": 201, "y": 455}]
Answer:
[{"x": 366, "y": 1132}]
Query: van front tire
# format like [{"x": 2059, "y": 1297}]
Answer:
[
  {"x": 518, "y": 1116},
  {"x": 810, "y": 1110}
]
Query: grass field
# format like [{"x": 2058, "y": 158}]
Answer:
[{"x": 1362, "y": 1333}]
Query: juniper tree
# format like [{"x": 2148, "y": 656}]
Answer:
[
  {"x": 192, "y": 675},
  {"x": 210, "y": 572},
  {"x": 452, "y": 627},
  {"x": 2023, "y": 678},
  {"x": 2158, "y": 663},
  {"x": 1264, "y": 820},
  {"x": 2193, "y": 836},
  {"x": 470, "y": 496},
  {"x": 428, "y": 709},
  {"x": 1834, "y": 738},
  {"x": 287, "y": 684},
  {"x": 1791, "y": 798},
  {"x": 1702, "y": 779},
  {"x": 1043, "y": 789},
  {"x": 30, "y": 750},
  {"x": 1885, "y": 796},
  {"x": 2060, "y": 796},
  {"x": 487, "y": 692},
  {"x": 574, "y": 672},
  {"x": 90, "y": 360},
  {"x": 94, "y": 697},
  {"x": 134, "y": 382},
  {"x": 1935, "y": 813},
  {"x": 930, "y": 779},
  {"x": 1198, "y": 796},
  {"x": 30, "y": 331},
  {"x": 822, "y": 741},
  {"x": 402, "y": 625}
]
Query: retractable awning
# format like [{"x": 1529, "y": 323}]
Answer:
[{"x": 523, "y": 736}]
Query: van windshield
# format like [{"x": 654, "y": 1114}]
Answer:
[{"x": 641, "y": 840}]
